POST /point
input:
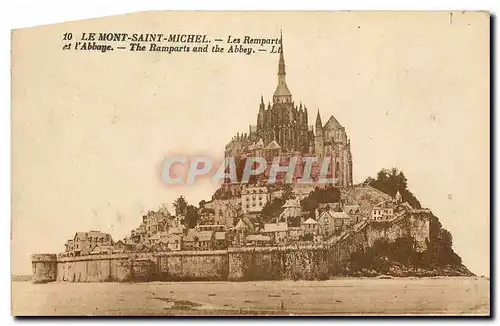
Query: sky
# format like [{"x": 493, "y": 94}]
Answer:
[{"x": 90, "y": 130}]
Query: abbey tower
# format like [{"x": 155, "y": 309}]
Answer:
[{"x": 282, "y": 129}]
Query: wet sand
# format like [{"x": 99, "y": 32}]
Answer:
[{"x": 351, "y": 296}]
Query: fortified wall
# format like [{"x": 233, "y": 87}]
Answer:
[{"x": 309, "y": 262}]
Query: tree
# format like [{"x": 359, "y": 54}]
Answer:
[
  {"x": 272, "y": 209},
  {"x": 320, "y": 196},
  {"x": 192, "y": 216},
  {"x": 180, "y": 205},
  {"x": 390, "y": 181}
]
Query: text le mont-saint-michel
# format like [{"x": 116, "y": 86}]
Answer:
[{"x": 168, "y": 43}]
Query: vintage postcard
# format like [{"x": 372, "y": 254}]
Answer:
[{"x": 252, "y": 163}]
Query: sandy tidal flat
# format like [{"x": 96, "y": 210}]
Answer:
[{"x": 351, "y": 296}]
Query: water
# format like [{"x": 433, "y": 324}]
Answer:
[{"x": 354, "y": 296}]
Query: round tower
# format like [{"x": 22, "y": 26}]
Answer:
[{"x": 44, "y": 267}]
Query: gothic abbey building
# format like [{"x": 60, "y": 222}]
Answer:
[{"x": 283, "y": 130}]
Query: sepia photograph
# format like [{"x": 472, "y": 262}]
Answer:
[{"x": 258, "y": 163}]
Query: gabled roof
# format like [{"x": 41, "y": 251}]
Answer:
[
  {"x": 272, "y": 145},
  {"x": 163, "y": 210},
  {"x": 80, "y": 235},
  {"x": 310, "y": 221},
  {"x": 241, "y": 225},
  {"x": 201, "y": 235},
  {"x": 334, "y": 215},
  {"x": 384, "y": 204},
  {"x": 205, "y": 235},
  {"x": 291, "y": 203},
  {"x": 244, "y": 224},
  {"x": 98, "y": 248},
  {"x": 332, "y": 123}
]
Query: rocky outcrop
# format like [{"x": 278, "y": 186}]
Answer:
[{"x": 398, "y": 270}]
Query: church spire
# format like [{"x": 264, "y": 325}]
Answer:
[
  {"x": 319, "y": 125},
  {"x": 282, "y": 93},
  {"x": 281, "y": 64}
]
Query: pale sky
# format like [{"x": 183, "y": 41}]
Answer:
[{"x": 90, "y": 130}]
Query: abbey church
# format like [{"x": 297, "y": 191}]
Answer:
[{"x": 283, "y": 129}]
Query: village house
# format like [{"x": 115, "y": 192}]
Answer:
[
  {"x": 294, "y": 233},
  {"x": 310, "y": 227},
  {"x": 174, "y": 242},
  {"x": 84, "y": 242},
  {"x": 242, "y": 229},
  {"x": 354, "y": 212},
  {"x": 221, "y": 240},
  {"x": 332, "y": 222},
  {"x": 122, "y": 246},
  {"x": 383, "y": 211},
  {"x": 253, "y": 199},
  {"x": 158, "y": 237},
  {"x": 291, "y": 211},
  {"x": 152, "y": 222},
  {"x": 278, "y": 232},
  {"x": 155, "y": 222},
  {"x": 167, "y": 240},
  {"x": 258, "y": 240},
  {"x": 341, "y": 221},
  {"x": 198, "y": 240},
  {"x": 70, "y": 246},
  {"x": 206, "y": 215},
  {"x": 177, "y": 230},
  {"x": 225, "y": 210}
]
